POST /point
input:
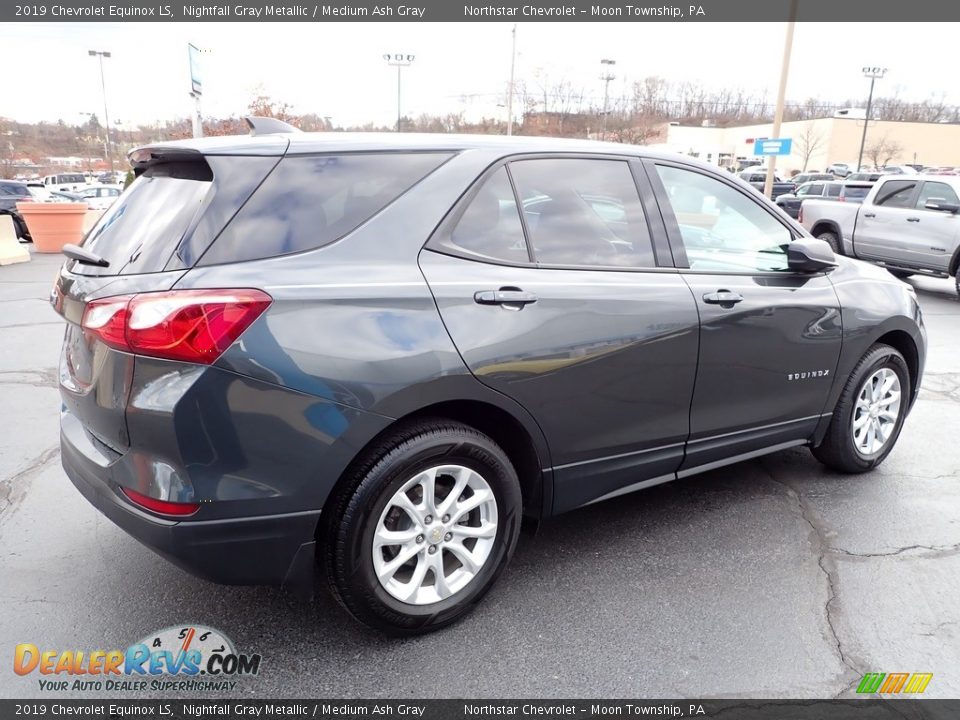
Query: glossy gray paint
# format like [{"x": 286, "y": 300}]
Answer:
[{"x": 619, "y": 379}]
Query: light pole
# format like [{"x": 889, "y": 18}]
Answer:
[
  {"x": 606, "y": 77},
  {"x": 781, "y": 94},
  {"x": 513, "y": 63},
  {"x": 873, "y": 73},
  {"x": 101, "y": 54},
  {"x": 399, "y": 61}
]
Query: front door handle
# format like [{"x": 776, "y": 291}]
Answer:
[
  {"x": 723, "y": 298},
  {"x": 869, "y": 214},
  {"x": 913, "y": 219},
  {"x": 507, "y": 297}
]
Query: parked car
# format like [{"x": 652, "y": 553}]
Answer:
[
  {"x": 380, "y": 351},
  {"x": 898, "y": 170},
  {"x": 12, "y": 192},
  {"x": 100, "y": 197},
  {"x": 841, "y": 169},
  {"x": 906, "y": 224},
  {"x": 944, "y": 170},
  {"x": 790, "y": 202},
  {"x": 802, "y": 178},
  {"x": 758, "y": 180},
  {"x": 853, "y": 191},
  {"x": 65, "y": 182},
  {"x": 871, "y": 177}
]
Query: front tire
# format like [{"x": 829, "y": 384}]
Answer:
[
  {"x": 869, "y": 414},
  {"x": 832, "y": 240},
  {"x": 426, "y": 524}
]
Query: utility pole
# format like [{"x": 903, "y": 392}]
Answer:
[
  {"x": 781, "y": 95},
  {"x": 873, "y": 73},
  {"x": 400, "y": 61},
  {"x": 513, "y": 64},
  {"x": 606, "y": 77},
  {"x": 101, "y": 54}
]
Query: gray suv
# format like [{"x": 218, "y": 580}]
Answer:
[{"x": 376, "y": 354}]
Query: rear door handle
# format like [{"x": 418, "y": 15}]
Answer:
[
  {"x": 504, "y": 296},
  {"x": 869, "y": 214},
  {"x": 913, "y": 219},
  {"x": 725, "y": 298}
]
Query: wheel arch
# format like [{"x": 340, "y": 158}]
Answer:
[
  {"x": 902, "y": 342},
  {"x": 523, "y": 445}
]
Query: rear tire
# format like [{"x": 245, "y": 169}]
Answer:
[
  {"x": 869, "y": 415},
  {"x": 831, "y": 239},
  {"x": 956, "y": 281},
  {"x": 388, "y": 498}
]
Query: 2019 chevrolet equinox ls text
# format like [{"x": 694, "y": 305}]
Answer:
[{"x": 376, "y": 354}]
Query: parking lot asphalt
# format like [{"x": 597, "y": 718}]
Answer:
[{"x": 769, "y": 578}]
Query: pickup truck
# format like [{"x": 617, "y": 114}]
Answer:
[
  {"x": 757, "y": 177},
  {"x": 908, "y": 224}
]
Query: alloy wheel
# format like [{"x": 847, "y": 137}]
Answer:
[
  {"x": 435, "y": 534},
  {"x": 876, "y": 411}
]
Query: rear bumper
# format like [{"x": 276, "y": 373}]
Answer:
[{"x": 266, "y": 550}]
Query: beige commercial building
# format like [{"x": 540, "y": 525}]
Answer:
[{"x": 817, "y": 143}]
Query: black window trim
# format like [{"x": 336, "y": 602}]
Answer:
[
  {"x": 439, "y": 240},
  {"x": 673, "y": 227}
]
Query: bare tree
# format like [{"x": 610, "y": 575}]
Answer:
[
  {"x": 882, "y": 151},
  {"x": 808, "y": 142}
]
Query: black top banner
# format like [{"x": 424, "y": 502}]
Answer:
[{"x": 481, "y": 10}]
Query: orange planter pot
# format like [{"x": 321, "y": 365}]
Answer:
[{"x": 53, "y": 225}]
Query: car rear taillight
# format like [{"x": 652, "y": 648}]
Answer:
[
  {"x": 189, "y": 325},
  {"x": 800, "y": 214},
  {"x": 163, "y": 507}
]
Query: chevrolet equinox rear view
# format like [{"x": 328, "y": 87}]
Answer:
[{"x": 374, "y": 355}]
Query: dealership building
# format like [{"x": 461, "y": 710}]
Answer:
[{"x": 819, "y": 142}]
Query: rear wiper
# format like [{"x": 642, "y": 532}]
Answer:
[{"x": 75, "y": 252}]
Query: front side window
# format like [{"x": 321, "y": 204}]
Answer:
[
  {"x": 583, "y": 212},
  {"x": 896, "y": 193},
  {"x": 936, "y": 192},
  {"x": 723, "y": 230}
]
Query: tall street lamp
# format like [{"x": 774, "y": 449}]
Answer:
[
  {"x": 399, "y": 61},
  {"x": 873, "y": 73},
  {"x": 606, "y": 77},
  {"x": 101, "y": 54}
]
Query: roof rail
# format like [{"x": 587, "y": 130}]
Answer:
[{"x": 268, "y": 126}]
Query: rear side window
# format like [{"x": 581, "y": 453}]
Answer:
[
  {"x": 490, "y": 225},
  {"x": 583, "y": 212},
  {"x": 140, "y": 231},
  {"x": 833, "y": 190},
  {"x": 311, "y": 201}
]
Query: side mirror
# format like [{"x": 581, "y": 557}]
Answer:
[
  {"x": 942, "y": 206},
  {"x": 810, "y": 255}
]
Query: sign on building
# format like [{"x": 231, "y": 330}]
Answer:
[{"x": 773, "y": 146}]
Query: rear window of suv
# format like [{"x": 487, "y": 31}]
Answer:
[
  {"x": 142, "y": 229},
  {"x": 311, "y": 201}
]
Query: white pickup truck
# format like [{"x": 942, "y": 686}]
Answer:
[{"x": 908, "y": 224}]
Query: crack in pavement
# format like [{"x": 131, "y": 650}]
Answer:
[
  {"x": 926, "y": 551},
  {"x": 47, "y": 377},
  {"x": 9, "y": 487},
  {"x": 822, "y": 549}
]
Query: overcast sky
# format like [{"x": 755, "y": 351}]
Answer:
[{"x": 337, "y": 69}]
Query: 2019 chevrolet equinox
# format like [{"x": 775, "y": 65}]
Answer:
[{"x": 377, "y": 353}]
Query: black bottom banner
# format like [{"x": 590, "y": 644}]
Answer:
[{"x": 866, "y": 709}]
